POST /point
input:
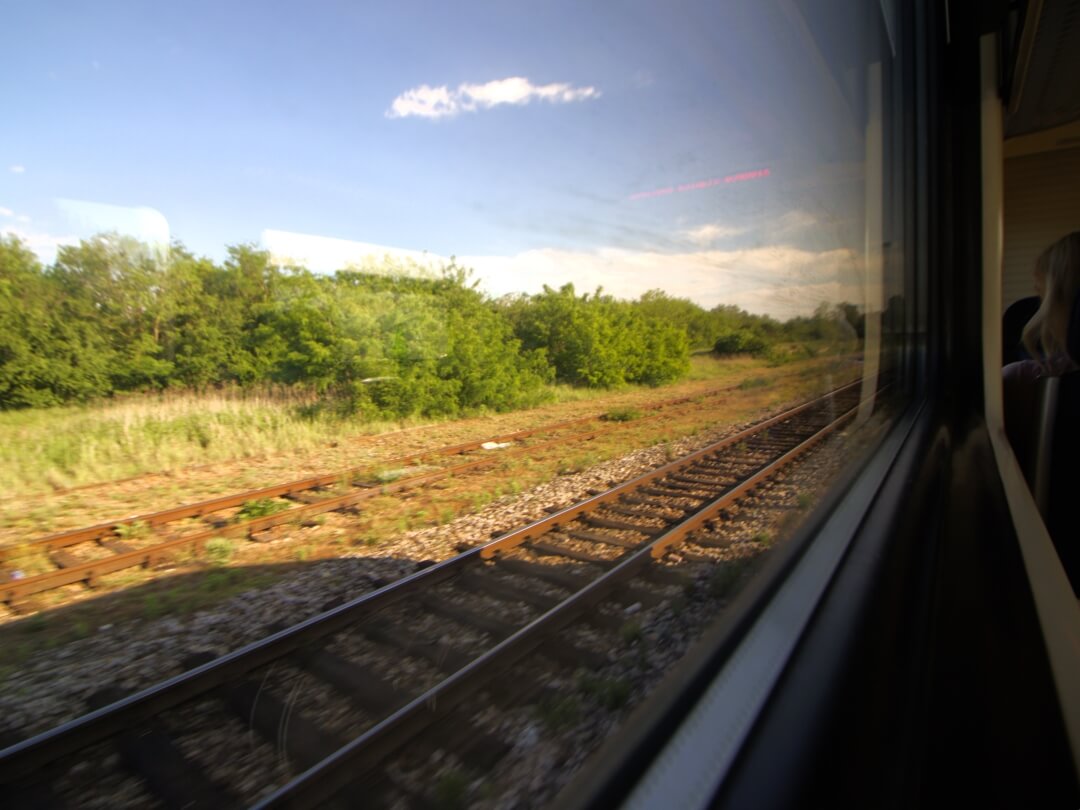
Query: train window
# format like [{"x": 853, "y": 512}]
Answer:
[{"x": 507, "y": 307}]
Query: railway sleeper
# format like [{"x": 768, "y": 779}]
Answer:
[
  {"x": 151, "y": 754},
  {"x": 378, "y": 697},
  {"x": 272, "y": 533},
  {"x": 446, "y": 659},
  {"x": 390, "y": 634},
  {"x": 23, "y": 606},
  {"x": 633, "y": 511},
  {"x": 116, "y": 546},
  {"x": 604, "y": 539},
  {"x": 602, "y": 522},
  {"x": 711, "y": 481},
  {"x": 307, "y": 495},
  {"x": 32, "y": 792},
  {"x": 661, "y": 491},
  {"x": 489, "y": 584},
  {"x": 65, "y": 559},
  {"x": 654, "y": 503},
  {"x": 304, "y": 742},
  {"x": 552, "y": 647},
  {"x": 571, "y": 580},
  {"x": 558, "y": 550},
  {"x": 671, "y": 482},
  {"x": 513, "y": 593},
  {"x": 369, "y": 692}
]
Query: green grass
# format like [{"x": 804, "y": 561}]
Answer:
[
  {"x": 611, "y": 693},
  {"x": 133, "y": 531},
  {"x": 622, "y": 415},
  {"x": 451, "y": 790},
  {"x": 262, "y": 507},
  {"x": 559, "y": 713},
  {"x": 630, "y": 632},
  {"x": 57, "y": 448},
  {"x": 219, "y": 550},
  {"x": 726, "y": 576}
]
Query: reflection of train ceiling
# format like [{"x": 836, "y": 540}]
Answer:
[{"x": 1045, "y": 91}]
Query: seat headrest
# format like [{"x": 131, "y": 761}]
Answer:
[{"x": 1016, "y": 316}]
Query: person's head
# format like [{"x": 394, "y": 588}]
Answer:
[{"x": 1057, "y": 279}]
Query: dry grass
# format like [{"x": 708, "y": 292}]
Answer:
[
  {"x": 246, "y": 565},
  {"x": 48, "y": 451},
  {"x": 59, "y": 448}
]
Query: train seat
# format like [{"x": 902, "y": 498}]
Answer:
[{"x": 1052, "y": 463}]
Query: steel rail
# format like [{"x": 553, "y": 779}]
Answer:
[
  {"x": 98, "y": 531},
  {"x": 88, "y": 571},
  {"x": 23, "y": 758},
  {"x": 321, "y": 781},
  {"x": 91, "y": 570}
]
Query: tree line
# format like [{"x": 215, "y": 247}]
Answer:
[{"x": 110, "y": 315}]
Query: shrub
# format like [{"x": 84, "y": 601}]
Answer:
[
  {"x": 622, "y": 415},
  {"x": 219, "y": 550},
  {"x": 740, "y": 341},
  {"x": 261, "y": 507}
]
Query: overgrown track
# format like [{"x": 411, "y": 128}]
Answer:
[
  {"x": 307, "y": 498},
  {"x": 464, "y": 623}
]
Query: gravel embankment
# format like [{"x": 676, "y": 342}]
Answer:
[{"x": 53, "y": 685}]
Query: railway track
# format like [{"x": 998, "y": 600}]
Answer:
[
  {"x": 345, "y": 700},
  {"x": 146, "y": 540}
]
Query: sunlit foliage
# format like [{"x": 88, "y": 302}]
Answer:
[{"x": 110, "y": 315}]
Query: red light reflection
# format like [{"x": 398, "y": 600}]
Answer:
[{"x": 738, "y": 177}]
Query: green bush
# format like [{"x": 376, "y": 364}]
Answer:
[
  {"x": 392, "y": 340},
  {"x": 621, "y": 415},
  {"x": 740, "y": 341},
  {"x": 219, "y": 550},
  {"x": 261, "y": 507}
]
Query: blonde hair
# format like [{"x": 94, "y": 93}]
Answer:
[{"x": 1059, "y": 265}]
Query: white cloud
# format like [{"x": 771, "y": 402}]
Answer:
[
  {"x": 794, "y": 220},
  {"x": 23, "y": 218},
  {"x": 87, "y": 218},
  {"x": 41, "y": 243},
  {"x": 709, "y": 233},
  {"x": 780, "y": 280},
  {"x": 426, "y": 101},
  {"x": 6, "y": 212},
  {"x": 423, "y": 101},
  {"x": 17, "y": 168},
  {"x": 326, "y": 254}
]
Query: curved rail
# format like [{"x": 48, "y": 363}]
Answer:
[
  {"x": 22, "y": 759},
  {"x": 89, "y": 571}
]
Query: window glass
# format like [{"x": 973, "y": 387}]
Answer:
[{"x": 238, "y": 239}]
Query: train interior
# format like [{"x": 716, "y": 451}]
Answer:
[
  {"x": 1040, "y": 203},
  {"x": 943, "y": 666}
]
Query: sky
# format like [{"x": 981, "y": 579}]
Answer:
[{"x": 712, "y": 150}]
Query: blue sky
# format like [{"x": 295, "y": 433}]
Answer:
[{"x": 519, "y": 137}]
